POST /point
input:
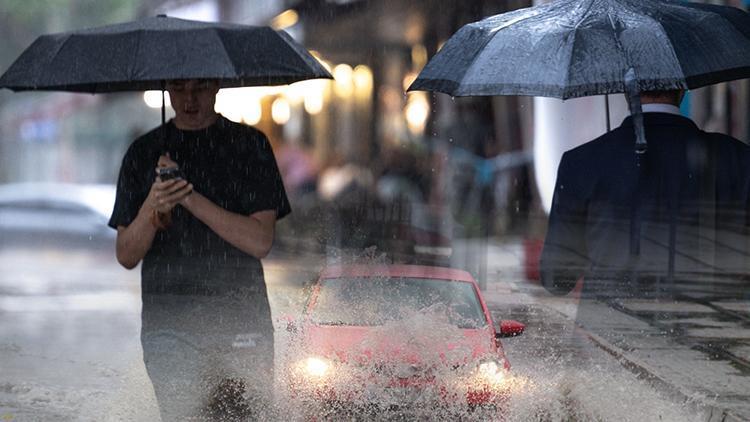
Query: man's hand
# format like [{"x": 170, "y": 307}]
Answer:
[
  {"x": 164, "y": 195},
  {"x": 134, "y": 240},
  {"x": 166, "y": 161}
]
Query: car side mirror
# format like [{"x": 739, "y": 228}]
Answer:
[{"x": 510, "y": 328}]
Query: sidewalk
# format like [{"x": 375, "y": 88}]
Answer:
[{"x": 696, "y": 353}]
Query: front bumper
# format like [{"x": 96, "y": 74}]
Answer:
[{"x": 375, "y": 392}]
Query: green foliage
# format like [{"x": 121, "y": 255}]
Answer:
[
  {"x": 22, "y": 21},
  {"x": 26, "y": 12},
  {"x": 87, "y": 12}
]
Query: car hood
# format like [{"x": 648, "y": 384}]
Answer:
[{"x": 362, "y": 345}]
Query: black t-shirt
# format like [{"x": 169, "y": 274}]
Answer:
[{"x": 230, "y": 164}]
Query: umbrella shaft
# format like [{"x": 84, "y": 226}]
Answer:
[
  {"x": 163, "y": 106},
  {"x": 606, "y": 110}
]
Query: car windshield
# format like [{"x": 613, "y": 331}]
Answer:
[{"x": 370, "y": 301}]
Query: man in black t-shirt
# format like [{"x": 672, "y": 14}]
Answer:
[{"x": 206, "y": 332}]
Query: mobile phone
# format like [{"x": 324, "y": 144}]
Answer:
[{"x": 167, "y": 173}]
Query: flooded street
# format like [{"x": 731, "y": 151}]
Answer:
[{"x": 70, "y": 346}]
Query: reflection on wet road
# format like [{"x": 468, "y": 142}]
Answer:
[{"x": 70, "y": 350}]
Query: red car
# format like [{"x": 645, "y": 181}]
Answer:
[{"x": 384, "y": 337}]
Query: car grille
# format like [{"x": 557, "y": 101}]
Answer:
[{"x": 403, "y": 371}]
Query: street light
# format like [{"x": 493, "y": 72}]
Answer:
[
  {"x": 153, "y": 99},
  {"x": 280, "y": 111},
  {"x": 343, "y": 83}
]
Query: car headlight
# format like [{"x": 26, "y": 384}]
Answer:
[
  {"x": 316, "y": 367},
  {"x": 491, "y": 372}
]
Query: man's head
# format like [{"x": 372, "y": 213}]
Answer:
[
  {"x": 673, "y": 97},
  {"x": 193, "y": 102}
]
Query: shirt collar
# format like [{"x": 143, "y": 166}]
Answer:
[{"x": 660, "y": 108}]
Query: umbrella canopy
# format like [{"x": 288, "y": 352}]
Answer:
[
  {"x": 575, "y": 48},
  {"x": 142, "y": 54}
]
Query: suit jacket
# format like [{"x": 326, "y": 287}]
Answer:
[{"x": 674, "y": 221}]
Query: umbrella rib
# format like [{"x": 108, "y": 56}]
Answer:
[
  {"x": 512, "y": 22},
  {"x": 685, "y": 77},
  {"x": 136, "y": 50},
  {"x": 494, "y": 31},
  {"x": 669, "y": 45},
  {"x": 573, "y": 46},
  {"x": 476, "y": 56},
  {"x": 54, "y": 56},
  {"x": 617, "y": 41},
  {"x": 584, "y": 14},
  {"x": 228, "y": 56},
  {"x": 671, "y": 48}
]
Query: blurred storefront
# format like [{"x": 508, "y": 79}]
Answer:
[
  {"x": 465, "y": 164},
  {"x": 465, "y": 157},
  {"x": 63, "y": 137}
]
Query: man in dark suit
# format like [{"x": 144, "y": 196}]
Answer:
[{"x": 670, "y": 223}]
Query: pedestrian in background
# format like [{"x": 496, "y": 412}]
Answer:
[
  {"x": 671, "y": 223},
  {"x": 207, "y": 333}
]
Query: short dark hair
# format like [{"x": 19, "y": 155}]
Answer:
[
  {"x": 198, "y": 80},
  {"x": 672, "y": 96}
]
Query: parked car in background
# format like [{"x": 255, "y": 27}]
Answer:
[
  {"x": 56, "y": 215},
  {"x": 397, "y": 338}
]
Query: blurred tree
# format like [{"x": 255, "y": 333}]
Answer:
[{"x": 22, "y": 21}]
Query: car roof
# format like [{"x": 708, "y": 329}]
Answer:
[
  {"x": 98, "y": 197},
  {"x": 396, "y": 270}
]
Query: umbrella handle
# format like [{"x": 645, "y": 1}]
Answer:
[
  {"x": 163, "y": 118},
  {"x": 163, "y": 104},
  {"x": 634, "y": 102}
]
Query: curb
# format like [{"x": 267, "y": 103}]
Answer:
[{"x": 715, "y": 414}]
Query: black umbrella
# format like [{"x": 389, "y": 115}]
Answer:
[
  {"x": 143, "y": 54},
  {"x": 576, "y": 48}
]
